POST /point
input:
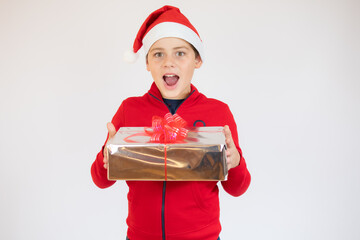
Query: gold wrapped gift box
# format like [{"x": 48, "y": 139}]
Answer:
[{"x": 200, "y": 157}]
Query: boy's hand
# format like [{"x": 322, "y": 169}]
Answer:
[
  {"x": 112, "y": 131},
  {"x": 233, "y": 156}
]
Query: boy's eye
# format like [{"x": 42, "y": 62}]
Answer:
[
  {"x": 180, "y": 54},
  {"x": 158, "y": 54}
]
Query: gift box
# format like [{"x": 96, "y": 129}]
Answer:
[{"x": 200, "y": 156}]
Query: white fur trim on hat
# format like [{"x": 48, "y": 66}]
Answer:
[
  {"x": 173, "y": 29},
  {"x": 130, "y": 57}
]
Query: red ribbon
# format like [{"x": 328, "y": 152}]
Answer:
[{"x": 169, "y": 129}]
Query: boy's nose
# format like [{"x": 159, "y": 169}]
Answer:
[{"x": 168, "y": 61}]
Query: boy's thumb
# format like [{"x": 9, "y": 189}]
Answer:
[{"x": 111, "y": 129}]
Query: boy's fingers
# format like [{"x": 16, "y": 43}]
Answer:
[
  {"x": 227, "y": 155},
  {"x": 105, "y": 161},
  {"x": 228, "y": 137},
  {"x": 111, "y": 129},
  {"x": 228, "y": 163}
]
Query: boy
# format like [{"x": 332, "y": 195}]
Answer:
[{"x": 184, "y": 210}]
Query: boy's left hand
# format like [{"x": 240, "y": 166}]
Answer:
[{"x": 233, "y": 156}]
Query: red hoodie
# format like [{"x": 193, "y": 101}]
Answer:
[{"x": 184, "y": 210}]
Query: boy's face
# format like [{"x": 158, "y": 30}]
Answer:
[{"x": 172, "y": 63}]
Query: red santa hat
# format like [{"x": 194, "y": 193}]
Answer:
[{"x": 167, "y": 21}]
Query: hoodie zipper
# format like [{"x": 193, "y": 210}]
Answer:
[
  {"x": 164, "y": 183},
  {"x": 163, "y": 211}
]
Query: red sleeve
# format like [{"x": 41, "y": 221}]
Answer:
[
  {"x": 98, "y": 172},
  {"x": 239, "y": 177}
]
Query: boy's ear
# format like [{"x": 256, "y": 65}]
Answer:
[{"x": 198, "y": 62}]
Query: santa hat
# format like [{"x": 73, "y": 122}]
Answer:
[{"x": 167, "y": 21}]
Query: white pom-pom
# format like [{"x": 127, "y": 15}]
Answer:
[{"x": 130, "y": 56}]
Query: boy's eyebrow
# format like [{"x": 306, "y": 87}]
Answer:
[
  {"x": 156, "y": 49},
  {"x": 181, "y": 47},
  {"x": 162, "y": 49}
]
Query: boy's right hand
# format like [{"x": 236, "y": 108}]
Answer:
[{"x": 112, "y": 131}]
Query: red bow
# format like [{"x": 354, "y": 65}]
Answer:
[{"x": 169, "y": 129}]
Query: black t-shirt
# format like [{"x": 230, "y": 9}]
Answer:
[{"x": 173, "y": 104}]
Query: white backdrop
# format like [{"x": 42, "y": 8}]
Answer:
[{"x": 288, "y": 69}]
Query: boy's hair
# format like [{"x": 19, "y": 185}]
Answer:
[
  {"x": 167, "y": 21},
  {"x": 197, "y": 54}
]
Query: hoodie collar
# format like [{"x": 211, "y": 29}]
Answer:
[{"x": 155, "y": 92}]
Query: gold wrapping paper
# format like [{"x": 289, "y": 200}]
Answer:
[{"x": 201, "y": 157}]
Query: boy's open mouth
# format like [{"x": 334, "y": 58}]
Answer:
[{"x": 171, "y": 80}]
